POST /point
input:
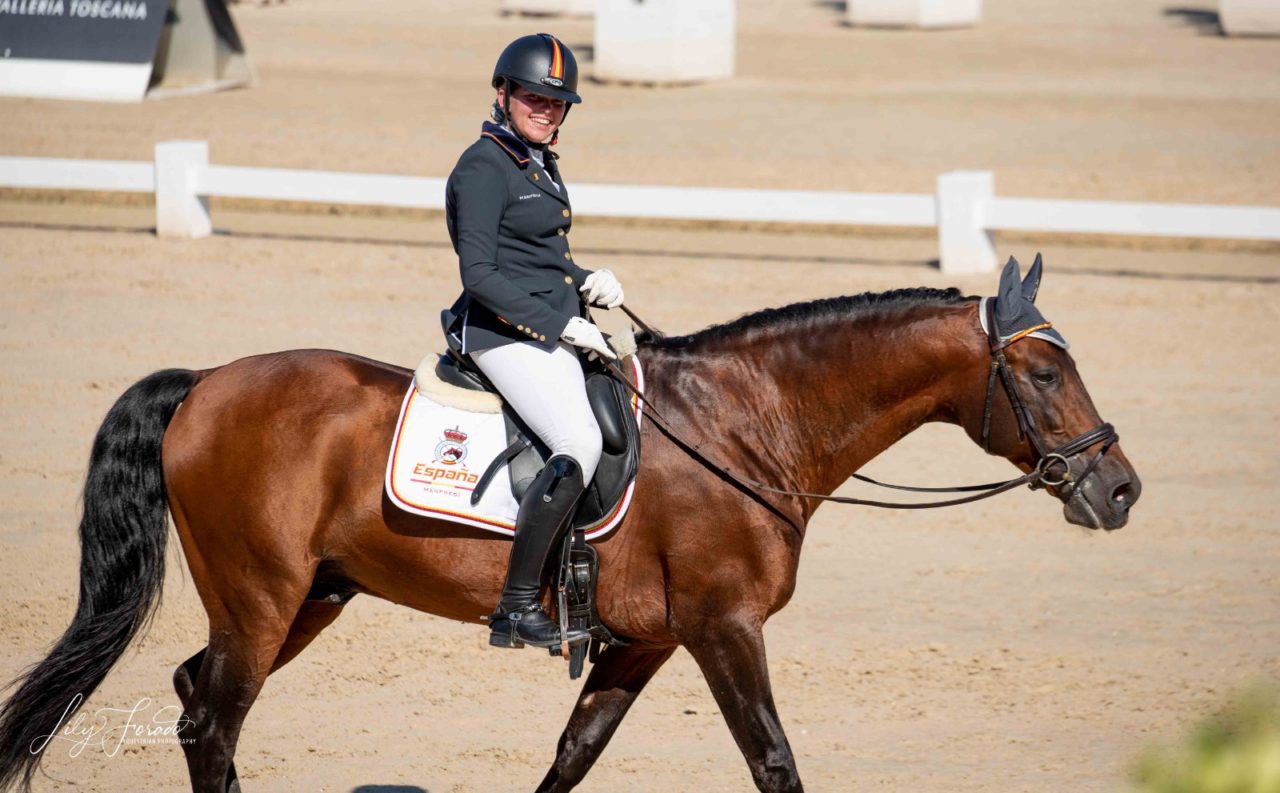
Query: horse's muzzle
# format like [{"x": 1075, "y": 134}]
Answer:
[{"x": 1104, "y": 499}]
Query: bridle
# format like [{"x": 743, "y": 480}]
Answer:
[
  {"x": 1039, "y": 476},
  {"x": 1045, "y": 457}
]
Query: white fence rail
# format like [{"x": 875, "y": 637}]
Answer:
[
  {"x": 1120, "y": 217},
  {"x": 53, "y": 174},
  {"x": 965, "y": 209},
  {"x": 330, "y": 187}
]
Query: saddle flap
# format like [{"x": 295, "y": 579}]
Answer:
[{"x": 608, "y": 403}]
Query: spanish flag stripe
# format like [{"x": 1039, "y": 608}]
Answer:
[{"x": 557, "y": 60}]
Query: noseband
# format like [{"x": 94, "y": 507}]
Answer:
[{"x": 1046, "y": 458}]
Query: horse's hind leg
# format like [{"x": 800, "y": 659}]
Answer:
[
  {"x": 614, "y": 683},
  {"x": 241, "y": 653},
  {"x": 312, "y": 618},
  {"x": 184, "y": 682}
]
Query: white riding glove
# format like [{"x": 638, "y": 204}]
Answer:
[
  {"x": 603, "y": 289},
  {"x": 581, "y": 333}
]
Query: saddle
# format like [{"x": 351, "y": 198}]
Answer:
[{"x": 524, "y": 458}]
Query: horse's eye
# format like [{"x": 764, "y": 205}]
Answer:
[{"x": 1044, "y": 377}]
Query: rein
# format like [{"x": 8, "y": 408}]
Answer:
[{"x": 1039, "y": 476}]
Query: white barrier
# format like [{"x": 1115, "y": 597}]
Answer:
[
  {"x": 1249, "y": 17},
  {"x": 965, "y": 208},
  {"x": 572, "y": 8},
  {"x": 913, "y": 13},
  {"x": 665, "y": 41}
]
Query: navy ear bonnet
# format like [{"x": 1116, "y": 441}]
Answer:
[{"x": 1015, "y": 305}]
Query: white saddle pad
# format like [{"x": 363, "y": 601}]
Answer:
[{"x": 439, "y": 452}]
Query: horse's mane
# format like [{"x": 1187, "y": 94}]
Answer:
[{"x": 807, "y": 313}]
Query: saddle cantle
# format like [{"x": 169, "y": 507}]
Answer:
[{"x": 526, "y": 455}]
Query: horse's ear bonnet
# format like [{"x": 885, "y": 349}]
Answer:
[{"x": 1015, "y": 306}]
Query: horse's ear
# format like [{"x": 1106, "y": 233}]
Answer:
[
  {"x": 1031, "y": 284},
  {"x": 1010, "y": 293}
]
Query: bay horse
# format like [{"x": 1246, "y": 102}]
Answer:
[{"x": 272, "y": 468}]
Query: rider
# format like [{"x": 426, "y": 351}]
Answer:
[{"x": 522, "y": 307}]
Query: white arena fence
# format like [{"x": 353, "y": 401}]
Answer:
[{"x": 965, "y": 209}]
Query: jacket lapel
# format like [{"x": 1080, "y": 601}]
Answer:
[
  {"x": 519, "y": 153},
  {"x": 540, "y": 178},
  {"x": 554, "y": 169}
]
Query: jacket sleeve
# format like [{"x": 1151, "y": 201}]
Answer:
[
  {"x": 579, "y": 274},
  {"x": 480, "y": 197}
]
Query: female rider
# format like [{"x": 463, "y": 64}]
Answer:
[{"x": 521, "y": 311}]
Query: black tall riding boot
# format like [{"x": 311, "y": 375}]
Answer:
[{"x": 545, "y": 513}]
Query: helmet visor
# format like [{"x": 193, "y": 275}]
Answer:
[{"x": 546, "y": 89}]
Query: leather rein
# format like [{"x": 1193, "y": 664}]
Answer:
[{"x": 1039, "y": 476}]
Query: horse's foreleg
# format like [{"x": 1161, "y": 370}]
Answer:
[
  {"x": 732, "y": 658},
  {"x": 613, "y": 684}
]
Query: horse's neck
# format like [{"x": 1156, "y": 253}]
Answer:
[{"x": 810, "y": 406}]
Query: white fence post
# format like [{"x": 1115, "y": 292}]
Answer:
[
  {"x": 964, "y": 205},
  {"x": 180, "y": 169}
]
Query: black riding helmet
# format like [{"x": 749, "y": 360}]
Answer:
[{"x": 540, "y": 64}]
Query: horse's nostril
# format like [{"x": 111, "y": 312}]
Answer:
[{"x": 1124, "y": 495}]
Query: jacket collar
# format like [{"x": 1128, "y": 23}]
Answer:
[{"x": 512, "y": 144}]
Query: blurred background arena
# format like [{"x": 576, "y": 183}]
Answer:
[{"x": 988, "y": 647}]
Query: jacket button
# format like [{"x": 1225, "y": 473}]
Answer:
[
  {"x": 564, "y": 212},
  {"x": 520, "y": 328},
  {"x": 542, "y": 338},
  {"x": 567, "y": 256},
  {"x": 568, "y": 279},
  {"x": 535, "y": 177},
  {"x": 560, "y": 232}
]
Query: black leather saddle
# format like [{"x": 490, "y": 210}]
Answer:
[{"x": 526, "y": 455}]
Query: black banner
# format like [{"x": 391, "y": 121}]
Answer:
[{"x": 116, "y": 31}]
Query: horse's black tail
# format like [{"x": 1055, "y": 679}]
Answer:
[{"x": 122, "y": 545}]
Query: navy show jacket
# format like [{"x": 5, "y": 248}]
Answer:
[{"x": 509, "y": 227}]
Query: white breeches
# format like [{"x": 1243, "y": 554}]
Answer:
[{"x": 549, "y": 393}]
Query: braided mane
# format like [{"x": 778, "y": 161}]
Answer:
[{"x": 807, "y": 313}]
